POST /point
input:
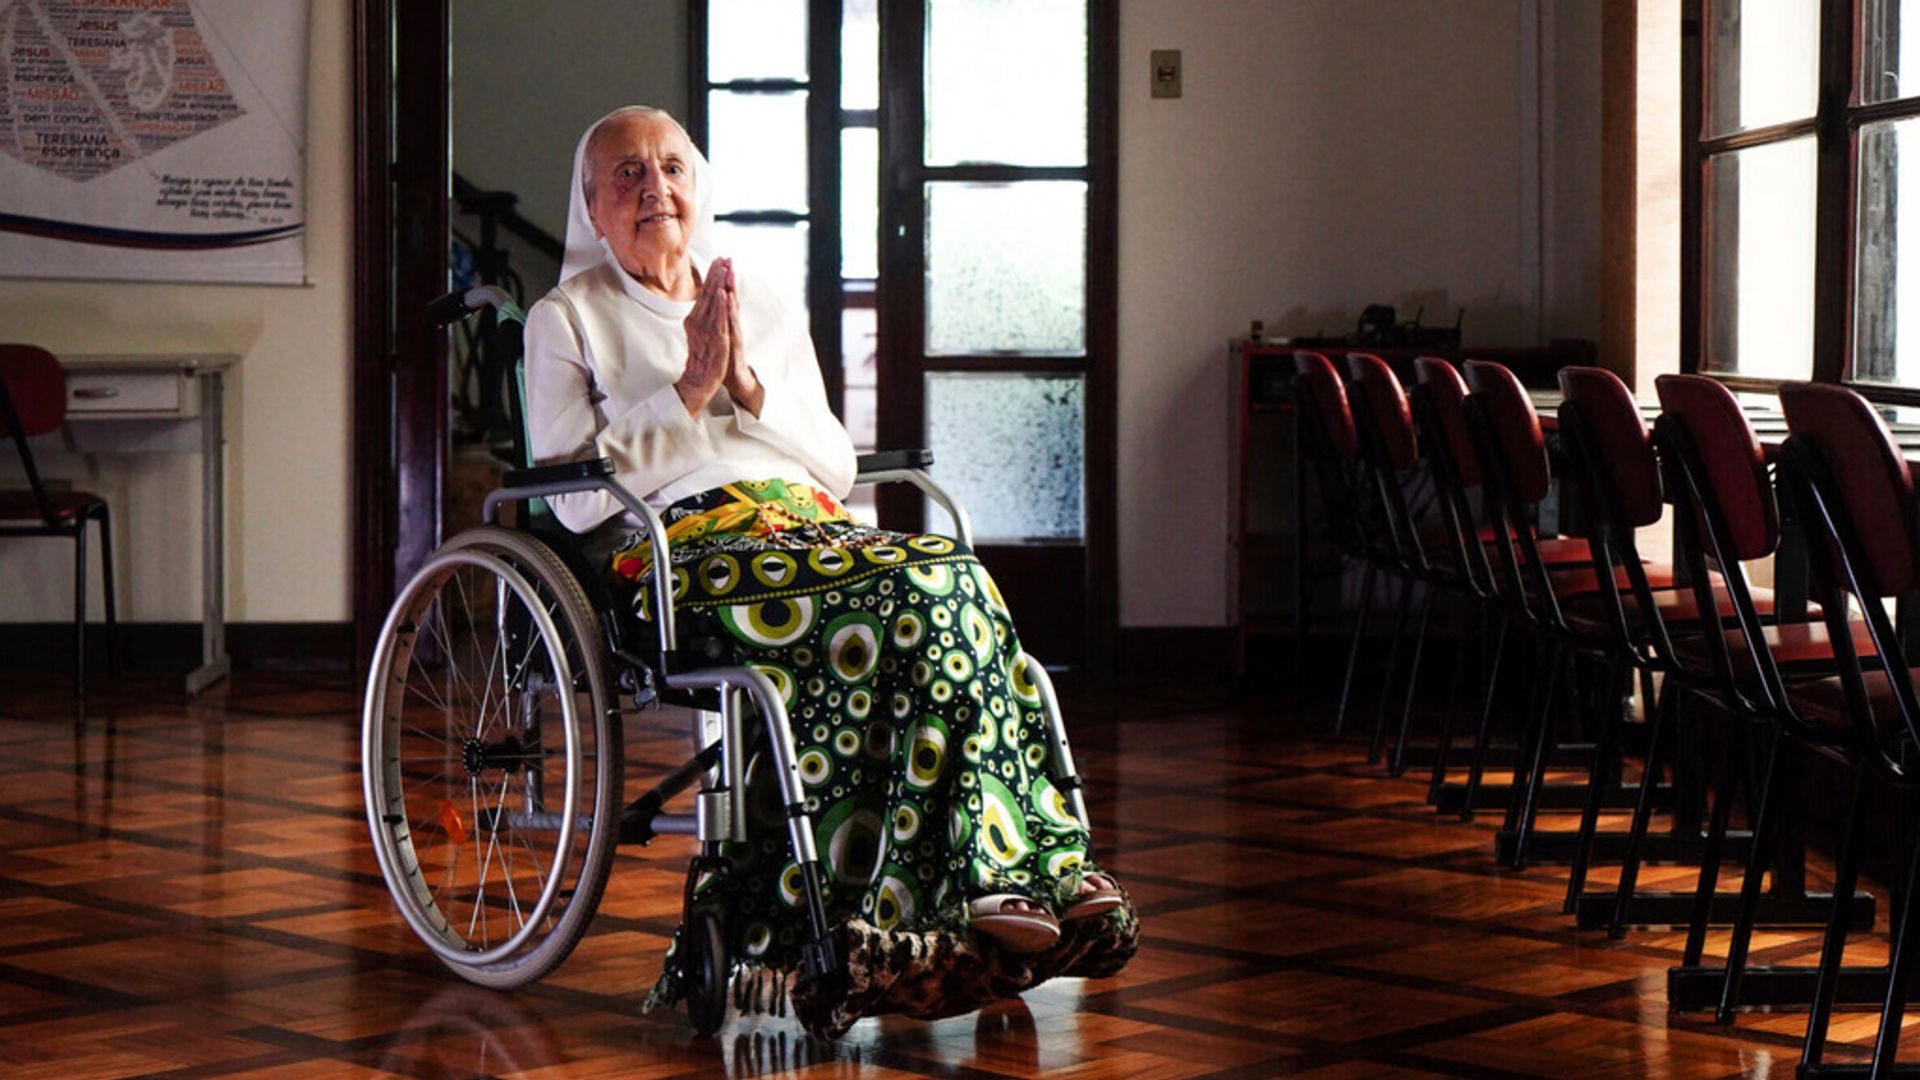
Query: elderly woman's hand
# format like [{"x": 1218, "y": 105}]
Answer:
[
  {"x": 709, "y": 329},
  {"x": 742, "y": 384}
]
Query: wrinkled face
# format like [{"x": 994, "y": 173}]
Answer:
[{"x": 641, "y": 190}]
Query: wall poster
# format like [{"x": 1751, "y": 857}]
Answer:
[{"x": 153, "y": 140}]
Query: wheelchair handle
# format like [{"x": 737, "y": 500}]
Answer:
[{"x": 461, "y": 303}]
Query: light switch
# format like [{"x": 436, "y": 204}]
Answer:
[{"x": 1166, "y": 73}]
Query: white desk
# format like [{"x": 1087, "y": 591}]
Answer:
[{"x": 165, "y": 403}]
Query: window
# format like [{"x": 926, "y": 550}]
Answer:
[
  {"x": 797, "y": 161},
  {"x": 957, "y": 249},
  {"x": 1799, "y": 262}
]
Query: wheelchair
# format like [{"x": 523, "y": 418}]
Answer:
[{"x": 492, "y": 749}]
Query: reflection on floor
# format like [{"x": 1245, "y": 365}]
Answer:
[{"x": 187, "y": 889}]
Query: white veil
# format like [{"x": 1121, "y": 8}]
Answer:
[{"x": 585, "y": 249}]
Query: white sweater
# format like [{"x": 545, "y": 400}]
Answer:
[{"x": 603, "y": 353}]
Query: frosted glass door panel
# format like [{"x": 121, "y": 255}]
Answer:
[
  {"x": 860, "y": 202},
  {"x": 1007, "y": 82},
  {"x": 860, "y": 365},
  {"x": 759, "y": 151},
  {"x": 776, "y": 254},
  {"x": 1009, "y": 448},
  {"x": 756, "y": 39},
  {"x": 860, "y": 54},
  {"x": 1007, "y": 268}
]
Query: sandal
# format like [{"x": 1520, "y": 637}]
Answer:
[
  {"x": 1016, "y": 931},
  {"x": 1098, "y": 900}
]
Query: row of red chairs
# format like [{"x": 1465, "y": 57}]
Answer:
[{"x": 1816, "y": 680}]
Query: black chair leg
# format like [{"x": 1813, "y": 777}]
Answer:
[
  {"x": 1707, "y": 885},
  {"x": 1846, "y": 876},
  {"x": 1763, "y": 826},
  {"x": 106, "y": 583},
  {"x": 80, "y": 610},
  {"x": 1353, "y": 650},
  {"x": 1398, "y": 764},
  {"x": 1393, "y": 666},
  {"x": 1523, "y": 734},
  {"x": 1886, "y": 1045},
  {"x": 1478, "y": 767},
  {"x": 1443, "y": 742},
  {"x": 1558, "y": 657},
  {"x": 1642, "y": 810},
  {"x": 1608, "y": 738}
]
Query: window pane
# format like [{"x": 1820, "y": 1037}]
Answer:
[
  {"x": 1886, "y": 314},
  {"x": 776, "y": 254},
  {"x": 1764, "y": 63},
  {"x": 758, "y": 146},
  {"x": 860, "y": 202},
  {"x": 859, "y": 362},
  {"x": 1006, "y": 267},
  {"x": 1760, "y": 249},
  {"x": 1007, "y": 82},
  {"x": 1009, "y": 449},
  {"x": 860, "y": 54},
  {"x": 756, "y": 39},
  {"x": 1889, "y": 48}
]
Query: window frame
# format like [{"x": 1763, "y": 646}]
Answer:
[
  {"x": 900, "y": 414},
  {"x": 1835, "y": 127},
  {"x": 822, "y": 216}
]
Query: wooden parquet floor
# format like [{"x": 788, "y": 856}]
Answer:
[{"x": 187, "y": 890}]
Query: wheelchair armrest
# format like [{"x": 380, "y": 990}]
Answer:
[
  {"x": 890, "y": 460},
  {"x": 583, "y": 471},
  {"x": 591, "y": 476},
  {"x": 910, "y": 466}
]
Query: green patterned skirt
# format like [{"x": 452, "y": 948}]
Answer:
[{"x": 919, "y": 728}]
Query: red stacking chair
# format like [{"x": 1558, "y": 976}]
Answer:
[
  {"x": 1855, "y": 493},
  {"x": 1392, "y": 452},
  {"x": 33, "y": 401},
  {"x": 1447, "y": 443},
  {"x": 1727, "y": 516},
  {"x": 1618, "y": 475},
  {"x": 1333, "y": 444},
  {"x": 1517, "y": 477}
]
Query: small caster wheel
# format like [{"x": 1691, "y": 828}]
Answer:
[{"x": 703, "y": 973}]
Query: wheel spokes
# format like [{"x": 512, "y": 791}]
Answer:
[{"x": 474, "y": 765}]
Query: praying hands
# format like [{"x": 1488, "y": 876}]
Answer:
[{"x": 715, "y": 353}]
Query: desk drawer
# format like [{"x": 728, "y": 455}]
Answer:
[{"x": 131, "y": 393}]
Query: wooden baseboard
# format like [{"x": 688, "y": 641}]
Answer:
[
  {"x": 1202, "y": 651},
  {"x": 175, "y": 646}
]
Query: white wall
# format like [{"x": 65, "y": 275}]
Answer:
[
  {"x": 288, "y": 419},
  {"x": 1327, "y": 155}
]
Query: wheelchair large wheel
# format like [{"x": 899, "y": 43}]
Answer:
[{"x": 491, "y": 758}]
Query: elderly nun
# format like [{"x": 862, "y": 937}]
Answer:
[{"x": 919, "y": 729}]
